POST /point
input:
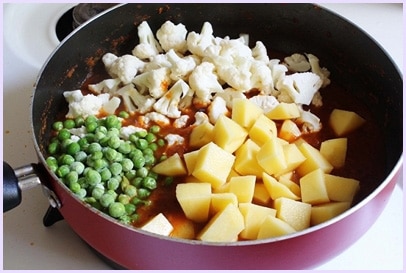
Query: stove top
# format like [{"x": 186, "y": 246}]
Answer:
[{"x": 30, "y": 37}]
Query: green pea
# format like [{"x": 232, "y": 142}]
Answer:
[
  {"x": 71, "y": 177},
  {"x": 69, "y": 124},
  {"x": 73, "y": 148},
  {"x": 98, "y": 191},
  {"x": 94, "y": 147},
  {"x": 136, "y": 182},
  {"x": 105, "y": 174},
  {"x": 114, "y": 142},
  {"x": 66, "y": 159},
  {"x": 64, "y": 134},
  {"x": 80, "y": 156},
  {"x": 124, "y": 199},
  {"x": 133, "y": 138},
  {"x": 129, "y": 208},
  {"x": 136, "y": 201},
  {"x": 138, "y": 162},
  {"x": 135, "y": 153},
  {"x": 130, "y": 190},
  {"x": 74, "y": 187},
  {"x": 160, "y": 142},
  {"x": 124, "y": 183},
  {"x": 98, "y": 136},
  {"x": 62, "y": 171},
  {"x": 110, "y": 154},
  {"x": 125, "y": 147},
  {"x": 93, "y": 177},
  {"x": 141, "y": 144},
  {"x": 112, "y": 122},
  {"x": 116, "y": 209},
  {"x": 113, "y": 183},
  {"x": 83, "y": 142},
  {"x": 116, "y": 168},
  {"x": 79, "y": 121},
  {"x": 90, "y": 119},
  {"x": 52, "y": 163},
  {"x": 141, "y": 133},
  {"x": 101, "y": 129},
  {"x": 154, "y": 129},
  {"x": 143, "y": 193},
  {"x": 127, "y": 164},
  {"x": 148, "y": 151},
  {"x": 106, "y": 199},
  {"x": 123, "y": 114},
  {"x": 149, "y": 183},
  {"x": 150, "y": 137},
  {"x": 153, "y": 147},
  {"x": 100, "y": 164},
  {"x": 142, "y": 172},
  {"x": 96, "y": 155},
  {"x": 154, "y": 175},
  {"x": 131, "y": 174},
  {"x": 53, "y": 148},
  {"x": 81, "y": 193},
  {"x": 57, "y": 126},
  {"x": 149, "y": 160},
  {"x": 91, "y": 127}
]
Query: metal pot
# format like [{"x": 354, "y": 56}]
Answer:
[{"x": 355, "y": 61}]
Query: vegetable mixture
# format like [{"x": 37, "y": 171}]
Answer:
[{"x": 118, "y": 134}]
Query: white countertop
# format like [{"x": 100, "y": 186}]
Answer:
[{"x": 27, "y": 244}]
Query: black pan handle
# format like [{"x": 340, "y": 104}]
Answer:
[
  {"x": 16, "y": 180},
  {"x": 11, "y": 189}
]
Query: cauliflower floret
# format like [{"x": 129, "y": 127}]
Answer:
[
  {"x": 168, "y": 104},
  {"x": 229, "y": 94},
  {"x": 84, "y": 106},
  {"x": 181, "y": 67},
  {"x": 311, "y": 123},
  {"x": 155, "y": 117},
  {"x": 265, "y": 102},
  {"x": 278, "y": 70},
  {"x": 204, "y": 81},
  {"x": 174, "y": 139},
  {"x": 260, "y": 53},
  {"x": 186, "y": 101},
  {"x": 323, "y": 73},
  {"x": 111, "y": 105},
  {"x": 172, "y": 36},
  {"x": 79, "y": 132},
  {"x": 154, "y": 82},
  {"x": 125, "y": 67},
  {"x": 200, "y": 118},
  {"x": 261, "y": 77},
  {"x": 217, "y": 108},
  {"x": 181, "y": 121},
  {"x": 127, "y": 131},
  {"x": 106, "y": 86},
  {"x": 156, "y": 62},
  {"x": 301, "y": 87},
  {"x": 197, "y": 43},
  {"x": 134, "y": 101},
  {"x": 148, "y": 46},
  {"x": 297, "y": 63}
]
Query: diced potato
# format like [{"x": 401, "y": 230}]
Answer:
[
  {"x": 172, "y": 166},
  {"x": 243, "y": 187},
  {"x": 232, "y": 173},
  {"x": 292, "y": 186},
  {"x": 295, "y": 213},
  {"x": 341, "y": 188},
  {"x": 246, "y": 159},
  {"x": 293, "y": 158},
  {"x": 276, "y": 189},
  {"x": 263, "y": 129},
  {"x": 228, "y": 134},
  {"x": 253, "y": 215},
  {"x": 222, "y": 189},
  {"x": 344, "y": 122},
  {"x": 261, "y": 194},
  {"x": 245, "y": 112},
  {"x": 213, "y": 165},
  {"x": 224, "y": 226},
  {"x": 314, "y": 160},
  {"x": 324, "y": 212},
  {"x": 194, "y": 198},
  {"x": 284, "y": 111},
  {"x": 201, "y": 135},
  {"x": 289, "y": 131},
  {"x": 274, "y": 227},
  {"x": 313, "y": 188},
  {"x": 190, "y": 160},
  {"x": 335, "y": 151},
  {"x": 182, "y": 228},
  {"x": 159, "y": 225},
  {"x": 271, "y": 157},
  {"x": 220, "y": 200}
]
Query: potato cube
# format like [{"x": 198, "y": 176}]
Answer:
[
  {"x": 253, "y": 215},
  {"x": 158, "y": 225},
  {"x": 201, "y": 135},
  {"x": 172, "y": 166},
  {"x": 224, "y": 226},
  {"x": 228, "y": 134},
  {"x": 182, "y": 227},
  {"x": 284, "y": 111},
  {"x": 246, "y": 159},
  {"x": 213, "y": 165},
  {"x": 324, "y": 212},
  {"x": 289, "y": 131},
  {"x": 276, "y": 189},
  {"x": 190, "y": 160},
  {"x": 313, "y": 188},
  {"x": 293, "y": 157},
  {"x": 335, "y": 151},
  {"x": 261, "y": 194},
  {"x": 194, "y": 198},
  {"x": 274, "y": 227},
  {"x": 271, "y": 157},
  {"x": 263, "y": 129},
  {"x": 220, "y": 200},
  {"x": 243, "y": 187},
  {"x": 295, "y": 213},
  {"x": 245, "y": 112},
  {"x": 314, "y": 160},
  {"x": 292, "y": 186},
  {"x": 344, "y": 122},
  {"x": 341, "y": 188}
]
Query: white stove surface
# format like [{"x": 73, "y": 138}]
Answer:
[{"x": 27, "y": 244}]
